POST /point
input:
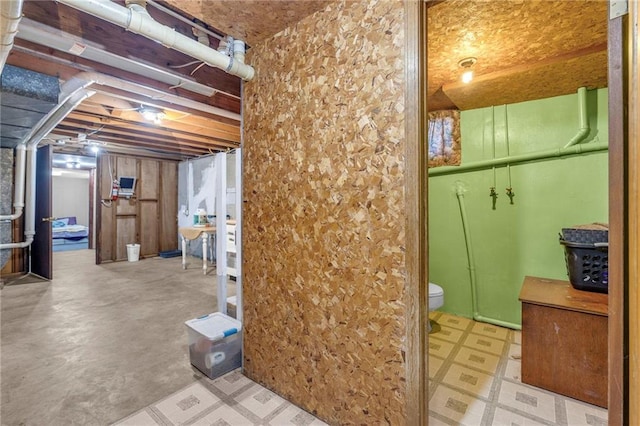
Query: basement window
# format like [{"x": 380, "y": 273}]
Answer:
[{"x": 444, "y": 138}]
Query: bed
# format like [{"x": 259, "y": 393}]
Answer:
[{"x": 68, "y": 235}]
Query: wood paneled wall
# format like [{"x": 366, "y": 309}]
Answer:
[
  {"x": 324, "y": 217},
  {"x": 149, "y": 218}
]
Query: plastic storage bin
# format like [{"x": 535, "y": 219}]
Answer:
[
  {"x": 215, "y": 344},
  {"x": 587, "y": 258}
]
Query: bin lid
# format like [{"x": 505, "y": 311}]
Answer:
[{"x": 215, "y": 326}]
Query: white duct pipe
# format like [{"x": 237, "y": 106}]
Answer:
[
  {"x": 18, "y": 197},
  {"x": 30, "y": 211},
  {"x": 10, "y": 15},
  {"x": 137, "y": 20},
  {"x": 36, "y": 32},
  {"x": 71, "y": 94},
  {"x": 105, "y": 80}
]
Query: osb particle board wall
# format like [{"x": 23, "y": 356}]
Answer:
[
  {"x": 148, "y": 219},
  {"x": 324, "y": 220}
]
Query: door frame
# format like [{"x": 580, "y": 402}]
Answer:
[
  {"x": 632, "y": 334},
  {"x": 624, "y": 207},
  {"x": 416, "y": 290}
]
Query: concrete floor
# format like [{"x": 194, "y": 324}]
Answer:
[{"x": 98, "y": 342}]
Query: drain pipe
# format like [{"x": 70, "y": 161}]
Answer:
[
  {"x": 10, "y": 15},
  {"x": 573, "y": 147},
  {"x": 584, "y": 130},
  {"x": 523, "y": 158},
  {"x": 72, "y": 93},
  {"x": 18, "y": 197},
  {"x": 472, "y": 267},
  {"x": 136, "y": 19}
]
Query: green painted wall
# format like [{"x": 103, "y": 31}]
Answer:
[{"x": 516, "y": 240}]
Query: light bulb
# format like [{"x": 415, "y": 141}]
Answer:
[
  {"x": 95, "y": 149},
  {"x": 149, "y": 115},
  {"x": 467, "y": 76},
  {"x": 466, "y": 64}
]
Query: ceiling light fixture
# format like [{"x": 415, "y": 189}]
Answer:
[
  {"x": 467, "y": 73},
  {"x": 152, "y": 114}
]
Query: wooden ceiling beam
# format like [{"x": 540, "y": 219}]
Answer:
[
  {"x": 145, "y": 129},
  {"x": 94, "y": 123},
  {"x": 174, "y": 120},
  {"x": 124, "y": 150},
  {"x": 39, "y": 58},
  {"x": 158, "y": 103},
  {"x": 114, "y": 135},
  {"x": 110, "y": 138},
  {"x": 122, "y": 42}
]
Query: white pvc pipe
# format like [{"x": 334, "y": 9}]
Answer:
[
  {"x": 56, "y": 116},
  {"x": 29, "y": 213},
  {"x": 238, "y": 50},
  {"x": 44, "y": 35},
  {"x": 183, "y": 19},
  {"x": 71, "y": 94},
  {"x": 134, "y": 20},
  {"x": 18, "y": 197},
  {"x": 10, "y": 15}
]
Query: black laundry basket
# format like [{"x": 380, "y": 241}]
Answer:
[{"x": 587, "y": 258}]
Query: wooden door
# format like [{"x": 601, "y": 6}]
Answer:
[{"x": 41, "y": 251}]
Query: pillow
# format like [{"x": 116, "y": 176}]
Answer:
[
  {"x": 59, "y": 223},
  {"x": 71, "y": 220}
]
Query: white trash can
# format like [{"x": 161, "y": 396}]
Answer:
[{"x": 133, "y": 252}]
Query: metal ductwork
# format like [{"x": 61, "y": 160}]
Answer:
[{"x": 27, "y": 98}]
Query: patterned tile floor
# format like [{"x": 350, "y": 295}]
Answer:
[
  {"x": 474, "y": 379},
  {"x": 230, "y": 400}
]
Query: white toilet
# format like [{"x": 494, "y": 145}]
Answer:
[
  {"x": 436, "y": 296},
  {"x": 436, "y": 299}
]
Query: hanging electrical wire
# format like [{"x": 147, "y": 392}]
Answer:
[
  {"x": 197, "y": 68},
  {"x": 185, "y": 65}
]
